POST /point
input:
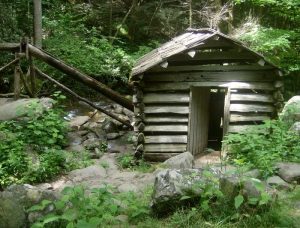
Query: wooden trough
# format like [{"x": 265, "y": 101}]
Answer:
[{"x": 196, "y": 88}]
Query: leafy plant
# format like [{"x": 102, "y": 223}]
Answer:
[
  {"x": 75, "y": 208},
  {"x": 31, "y": 148},
  {"x": 264, "y": 145},
  {"x": 128, "y": 161}
]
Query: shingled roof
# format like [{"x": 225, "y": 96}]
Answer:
[{"x": 190, "y": 39}]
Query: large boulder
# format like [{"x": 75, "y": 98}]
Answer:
[
  {"x": 291, "y": 110},
  {"x": 182, "y": 161},
  {"x": 296, "y": 128},
  {"x": 289, "y": 171},
  {"x": 16, "y": 199},
  {"x": 171, "y": 185},
  {"x": 24, "y": 107}
]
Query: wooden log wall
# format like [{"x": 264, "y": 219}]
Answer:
[{"x": 255, "y": 94}]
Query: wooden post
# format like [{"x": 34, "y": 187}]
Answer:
[
  {"x": 17, "y": 86},
  {"x": 32, "y": 76}
]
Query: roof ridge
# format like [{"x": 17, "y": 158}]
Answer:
[{"x": 201, "y": 30}]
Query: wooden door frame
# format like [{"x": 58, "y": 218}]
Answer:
[{"x": 226, "y": 116}]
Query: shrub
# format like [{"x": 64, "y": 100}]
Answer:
[
  {"x": 128, "y": 161},
  {"x": 31, "y": 148},
  {"x": 261, "y": 146}
]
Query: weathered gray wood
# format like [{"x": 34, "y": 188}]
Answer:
[
  {"x": 150, "y": 98},
  {"x": 166, "y": 119},
  {"x": 183, "y": 86},
  {"x": 238, "y": 128},
  {"x": 17, "y": 82},
  {"x": 167, "y": 109},
  {"x": 9, "y": 46},
  {"x": 238, "y": 76},
  {"x": 252, "y": 97},
  {"x": 16, "y": 60},
  {"x": 166, "y": 128},
  {"x": 213, "y": 68},
  {"x": 226, "y": 111},
  {"x": 166, "y": 139},
  {"x": 216, "y": 55},
  {"x": 165, "y": 148},
  {"x": 247, "y": 117},
  {"x": 198, "y": 131},
  {"x": 158, "y": 157},
  {"x": 251, "y": 108}
]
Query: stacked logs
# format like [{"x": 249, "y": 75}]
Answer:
[
  {"x": 139, "y": 116},
  {"x": 278, "y": 96}
]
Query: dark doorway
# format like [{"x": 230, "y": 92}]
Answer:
[{"x": 216, "y": 118}]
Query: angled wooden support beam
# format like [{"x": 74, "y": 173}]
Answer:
[
  {"x": 79, "y": 76},
  {"x": 40, "y": 73},
  {"x": 9, "y": 64}
]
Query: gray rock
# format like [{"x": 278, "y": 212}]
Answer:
[
  {"x": 291, "y": 110},
  {"x": 182, "y": 161},
  {"x": 78, "y": 121},
  {"x": 76, "y": 148},
  {"x": 16, "y": 199},
  {"x": 289, "y": 171},
  {"x": 111, "y": 136},
  {"x": 122, "y": 218},
  {"x": 230, "y": 185},
  {"x": 127, "y": 187},
  {"x": 74, "y": 138},
  {"x": 110, "y": 126},
  {"x": 91, "y": 144},
  {"x": 296, "y": 128},
  {"x": 128, "y": 113},
  {"x": 12, "y": 214},
  {"x": 23, "y": 107},
  {"x": 277, "y": 183},
  {"x": 85, "y": 174},
  {"x": 171, "y": 185}
]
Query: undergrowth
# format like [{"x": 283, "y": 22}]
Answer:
[
  {"x": 128, "y": 161},
  {"x": 103, "y": 208},
  {"x": 264, "y": 145},
  {"x": 31, "y": 149}
]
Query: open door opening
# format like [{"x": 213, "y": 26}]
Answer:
[
  {"x": 206, "y": 119},
  {"x": 216, "y": 118}
]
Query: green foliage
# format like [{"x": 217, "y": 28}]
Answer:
[
  {"x": 263, "y": 145},
  {"x": 128, "y": 161},
  {"x": 31, "y": 148},
  {"x": 100, "y": 207}
]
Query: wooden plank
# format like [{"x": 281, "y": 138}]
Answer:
[
  {"x": 166, "y": 119},
  {"x": 166, "y": 128},
  {"x": 167, "y": 109},
  {"x": 247, "y": 117},
  {"x": 251, "y": 108},
  {"x": 226, "y": 111},
  {"x": 166, "y": 139},
  {"x": 238, "y": 128},
  {"x": 238, "y": 76},
  {"x": 165, "y": 148},
  {"x": 252, "y": 97},
  {"x": 216, "y": 55},
  {"x": 214, "y": 68},
  {"x": 150, "y": 98},
  {"x": 184, "y": 86},
  {"x": 158, "y": 157}
]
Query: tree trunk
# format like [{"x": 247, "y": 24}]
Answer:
[
  {"x": 81, "y": 77},
  {"x": 37, "y": 24}
]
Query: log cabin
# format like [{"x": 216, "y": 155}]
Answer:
[{"x": 193, "y": 90}]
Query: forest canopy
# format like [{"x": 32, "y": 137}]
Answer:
[{"x": 104, "y": 37}]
